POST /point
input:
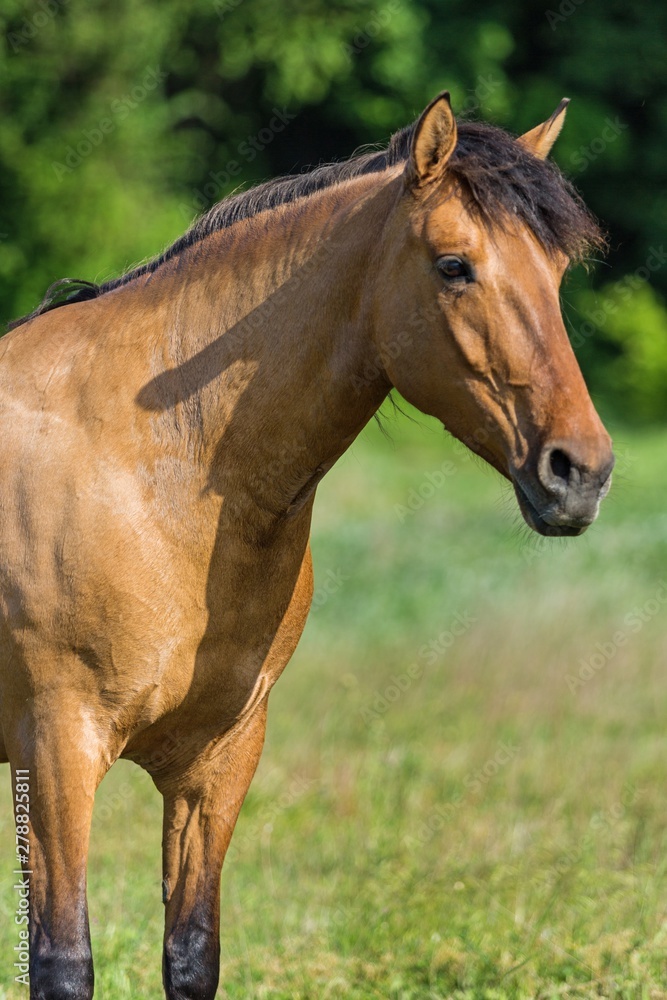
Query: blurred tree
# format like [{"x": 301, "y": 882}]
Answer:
[{"x": 122, "y": 122}]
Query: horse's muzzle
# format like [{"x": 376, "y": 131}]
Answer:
[{"x": 560, "y": 491}]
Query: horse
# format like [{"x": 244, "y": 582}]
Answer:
[{"x": 164, "y": 435}]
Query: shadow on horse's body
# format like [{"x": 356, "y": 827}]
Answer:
[{"x": 163, "y": 438}]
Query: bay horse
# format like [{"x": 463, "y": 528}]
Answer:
[{"x": 163, "y": 437}]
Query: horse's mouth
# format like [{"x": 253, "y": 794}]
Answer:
[{"x": 547, "y": 523}]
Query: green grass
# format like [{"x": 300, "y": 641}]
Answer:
[{"x": 389, "y": 846}]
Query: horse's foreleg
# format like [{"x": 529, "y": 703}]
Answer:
[
  {"x": 201, "y": 806},
  {"x": 56, "y": 768}
]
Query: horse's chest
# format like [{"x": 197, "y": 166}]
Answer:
[
  {"x": 219, "y": 677},
  {"x": 256, "y": 614}
]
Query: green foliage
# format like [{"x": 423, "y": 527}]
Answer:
[
  {"x": 120, "y": 122},
  {"x": 632, "y": 319}
]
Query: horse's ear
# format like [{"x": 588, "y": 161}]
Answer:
[
  {"x": 539, "y": 140},
  {"x": 432, "y": 144}
]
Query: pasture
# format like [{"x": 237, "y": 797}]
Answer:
[{"x": 463, "y": 788}]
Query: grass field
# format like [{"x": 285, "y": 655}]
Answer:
[{"x": 463, "y": 790}]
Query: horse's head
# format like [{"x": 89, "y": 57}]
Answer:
[{"x": 469, "y": 326}]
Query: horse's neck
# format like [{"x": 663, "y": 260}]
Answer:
[{"x": 270, "y": 330}]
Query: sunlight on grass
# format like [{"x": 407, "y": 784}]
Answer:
[{"x": 462, "y": 789}]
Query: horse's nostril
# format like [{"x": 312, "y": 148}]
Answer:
[{"x": 561, "y": 466}]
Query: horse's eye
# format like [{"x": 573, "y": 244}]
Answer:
[{"x": 453, "y": 268}]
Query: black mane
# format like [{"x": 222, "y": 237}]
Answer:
[{"x": 499, "y": 177}]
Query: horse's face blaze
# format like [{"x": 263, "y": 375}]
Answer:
[{"x": 482, "y": 346}]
